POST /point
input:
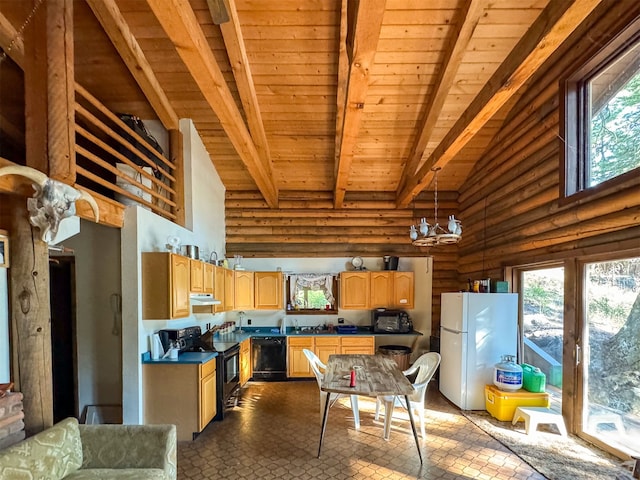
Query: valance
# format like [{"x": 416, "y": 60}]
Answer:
[{"x": 314, "y": 281}]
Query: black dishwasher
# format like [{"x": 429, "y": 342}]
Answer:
[{"x": 269, "y": 358}]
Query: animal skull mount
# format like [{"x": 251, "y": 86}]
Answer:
[{"x": 51, "y": 202}]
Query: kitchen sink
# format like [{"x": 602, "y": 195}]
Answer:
[{"x": 313, "y": 331}]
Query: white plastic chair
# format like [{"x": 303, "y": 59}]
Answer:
[
  {"x": 318, "y": 369},
  {"x": 426, "y": 365}
]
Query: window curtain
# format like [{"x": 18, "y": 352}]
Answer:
[{"x": 316, "y": 281}]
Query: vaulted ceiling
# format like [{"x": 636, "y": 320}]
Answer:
[{"x": 321, "y": 99}]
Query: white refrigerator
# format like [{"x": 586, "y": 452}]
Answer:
[{"x": 476, "y": 329}]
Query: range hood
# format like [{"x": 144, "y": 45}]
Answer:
[{"x": 203, "y": 299}]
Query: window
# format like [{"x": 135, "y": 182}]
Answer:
[
  {"x": 602, "y": 116},
  {"x": 312, "y": 293}
]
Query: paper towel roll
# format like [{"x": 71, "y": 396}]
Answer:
[{"x": 156, "y": 347}]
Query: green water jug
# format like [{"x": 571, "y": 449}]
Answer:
[{"x": 533, "y": 380}]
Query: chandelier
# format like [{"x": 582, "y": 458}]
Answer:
[{"x": 426, "y": 235}]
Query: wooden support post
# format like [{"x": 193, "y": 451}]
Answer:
[
  {"x": 176, "y": 155},
  {"x": 30, "y": 319},
  {"x": 50, "y": 91},
  {"x": 60, "y": 90}
]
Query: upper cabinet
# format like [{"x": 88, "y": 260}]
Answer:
[
  {"x": 268, "y": 290},
  {"x": 381, "y": 289},
  {"x": 229, "y": 289},
  {"x": 243, "y": 296},
  {"x": 403, "y": 288},
  {"x": 208, "y": 278},
  {"x": 386, "y": 289},
  {"x": 196, "y": 274},
  {"x": 354, "y": 290},
  {"x": 219, "y": 287},
  {"x": 165, "y": 285}
]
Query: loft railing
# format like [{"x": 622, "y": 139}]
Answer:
[{"x": 113, "y": 160}]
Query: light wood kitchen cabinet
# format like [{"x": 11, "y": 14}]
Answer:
[
  {"x": 207, "y": 394},
  {"x": 245, "y": 361},
  {"x": 354, "y": 290},
  {"x": 297, "y": 363},
  {"x": 268, "y": 290},
  {"x": 403, "y": 288},
  {"x": 196, "y": 269},
  {"x": 357, "y": 345},
  {"x": 244, "y": 291},
  {"x": 381, "y": 289},
  {"x": 229, "y": 289},
  {"x": 386, "y": 289},
  {"x": 182, "y": 394},
  {"x": 325, "y": 346},
  {"x": 208, "y": 278},
  {"x": 165, "y": 285},
  {"x": 219, "y": 288}
]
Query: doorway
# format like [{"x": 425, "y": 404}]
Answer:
[{"x": 63, "y": 336}]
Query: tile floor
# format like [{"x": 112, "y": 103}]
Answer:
[{"x": 273, "y": 433}]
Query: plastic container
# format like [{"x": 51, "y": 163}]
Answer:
[
  {"x": 399, "y": 353},
  {"x": 507, "y": 374},
  {"x": 502, "y": 405},
  {"x": 533, "y": 380}
]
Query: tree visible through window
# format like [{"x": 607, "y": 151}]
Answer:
[
  {"x": 602, "y": 115},
  {"x": 615, "y": 119}
]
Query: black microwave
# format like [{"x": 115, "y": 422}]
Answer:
[{"x": 390, "y": 321}]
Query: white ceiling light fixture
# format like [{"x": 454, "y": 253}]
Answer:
[{"x": 426, "y": 235}]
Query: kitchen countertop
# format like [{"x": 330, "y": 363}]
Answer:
[
  {"x": 248, "y": 332},
  {"x": 183, "y": 358}
]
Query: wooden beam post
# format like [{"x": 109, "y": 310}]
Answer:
[
  {"x": 176, "y": 145},
  {"x": 60, "y": 90},
  {"x": 30, "y": 319}
]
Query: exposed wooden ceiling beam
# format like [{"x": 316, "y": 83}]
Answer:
[
  {"x": 9, "y": 34},
  {"x": 364, "y": 40},
  {"x": 343, "y": 79},
  {"x": 468, "y": 19},
  {"x": 553, "y": 26},
  {"x": 234, "y": 42},
  {"x": 114, "y": 24},
  {"x": 181, "y": 25},
  {"x": 218, "y": 10}
]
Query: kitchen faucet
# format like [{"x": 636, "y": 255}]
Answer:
[{"x": 241, "y": 313}]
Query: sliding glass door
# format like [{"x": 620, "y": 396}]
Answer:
[
  {"x": 610, "y": 357},
  {"x": 542, "y": 316}
]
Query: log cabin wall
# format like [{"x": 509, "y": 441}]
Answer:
[
  {"x": 369, "y": 225},
  {"x": 511, "y": 202},
  {"x": 306, "y": 224}
]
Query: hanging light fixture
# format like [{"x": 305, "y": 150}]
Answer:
[{"x": 426, "y": 235}]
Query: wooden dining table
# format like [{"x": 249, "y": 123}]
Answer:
[{"x": 376, "y": 375}]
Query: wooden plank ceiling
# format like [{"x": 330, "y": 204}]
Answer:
[{"x": 322, "y": 104}]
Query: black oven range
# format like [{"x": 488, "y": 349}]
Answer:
[{"x": 190, "y": 339}]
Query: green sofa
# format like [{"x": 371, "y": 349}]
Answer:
[{"x": 81, "y": 452}]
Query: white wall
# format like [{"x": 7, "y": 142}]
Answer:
[
  {"x": 420, "y": 314},
  {"x": 143, "y": 231}
]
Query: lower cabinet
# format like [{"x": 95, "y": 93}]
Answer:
[
  {"x": 298, "y": 365},
  {"x": 355, "y": 345},
  {"x": 182, "y": 394},
  {"x": 245, "y": 361}
]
